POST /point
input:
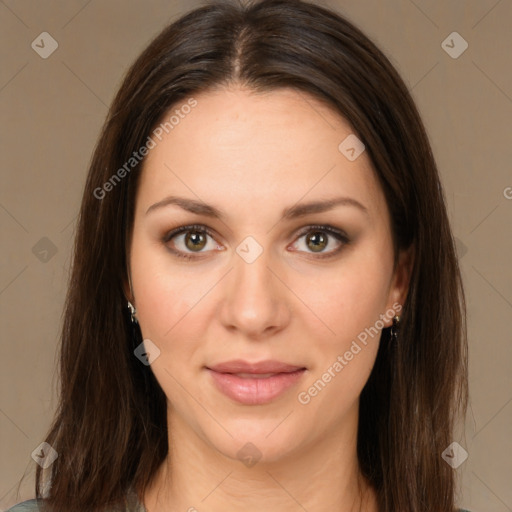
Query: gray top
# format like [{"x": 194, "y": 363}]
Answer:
[
  {"x": 32, "y": 506},
  {"x": 133, "y": 505}
]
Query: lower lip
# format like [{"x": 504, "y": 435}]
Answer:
[{"x": 255, "y": 391}]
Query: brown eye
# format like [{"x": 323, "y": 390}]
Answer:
[
  {"x": 316, "y": 241},
  {"x": 195, "y": 240},
  {"x": 324, "y": 241},
  {"x": 190, "y": 241}
]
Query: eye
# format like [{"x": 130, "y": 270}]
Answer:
[
  {"x": 317, "y": 238},
  {"x": 190, "y": 239},
  {"x": 194, "y": 238}
]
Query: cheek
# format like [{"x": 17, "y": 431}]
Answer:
[
  {"x": 169, "y": 313},
  {"x": 350, "y": 301},
  {"x": 350, "y": 305},
  {"x": 163, "y": 294},
  {"x": 345, "y": 353}
]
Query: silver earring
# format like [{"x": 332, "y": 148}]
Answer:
[
  {"x": 133, "y": 311},
  {"x": 394, "y": 328}
]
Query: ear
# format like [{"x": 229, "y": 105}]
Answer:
[
  {"x": 401, "y": 278},
  {"x": 127, "y": 289}
]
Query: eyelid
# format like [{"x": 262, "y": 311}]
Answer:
[
  {"x": 190, "y": 227},
  {"x": 324, "y": 227}
]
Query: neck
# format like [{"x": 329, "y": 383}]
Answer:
[{"x": 323, "y": 477}]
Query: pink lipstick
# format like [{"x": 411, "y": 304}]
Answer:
[{"x": 254, "y": 383}]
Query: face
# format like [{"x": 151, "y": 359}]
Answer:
[{"x": 253, "y": 277}]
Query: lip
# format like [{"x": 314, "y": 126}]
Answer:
[
  {"x": 254, "y": 383},
  {"x": 241, "y": 366}
]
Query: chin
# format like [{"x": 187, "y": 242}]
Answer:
[{"x": 264, "y": 441}]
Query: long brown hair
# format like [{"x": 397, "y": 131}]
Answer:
[{"x": 110, "y": 429}]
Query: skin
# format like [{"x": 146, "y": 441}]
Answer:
[{"x": 251, "y": 155}]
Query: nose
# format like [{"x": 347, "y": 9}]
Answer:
[{"x": 255, "y": 299}]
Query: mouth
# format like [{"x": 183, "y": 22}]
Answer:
[{"x": 254, "y": 383}]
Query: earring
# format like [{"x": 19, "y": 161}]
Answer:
[
  {"x": 394, "y": 328},
  {"x": 134, "y": 333},
  {"x": 133, "y": 311}
]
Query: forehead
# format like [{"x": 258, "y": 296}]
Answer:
[{"x": 236, "y": 145}]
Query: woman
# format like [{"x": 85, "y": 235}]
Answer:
[{"x": 265, "y": 310}]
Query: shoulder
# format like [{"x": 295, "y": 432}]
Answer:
[{"x": 25, "y": 506}]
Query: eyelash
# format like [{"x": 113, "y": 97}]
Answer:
[{"x": 339, "y": 235}]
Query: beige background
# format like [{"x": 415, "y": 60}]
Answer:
[{"x": 52, "y": 110}]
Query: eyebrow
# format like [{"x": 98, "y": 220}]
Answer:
[{"x": 292, "y": 212}]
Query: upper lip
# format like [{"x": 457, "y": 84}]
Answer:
[{"x": 241, "y": 366}]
